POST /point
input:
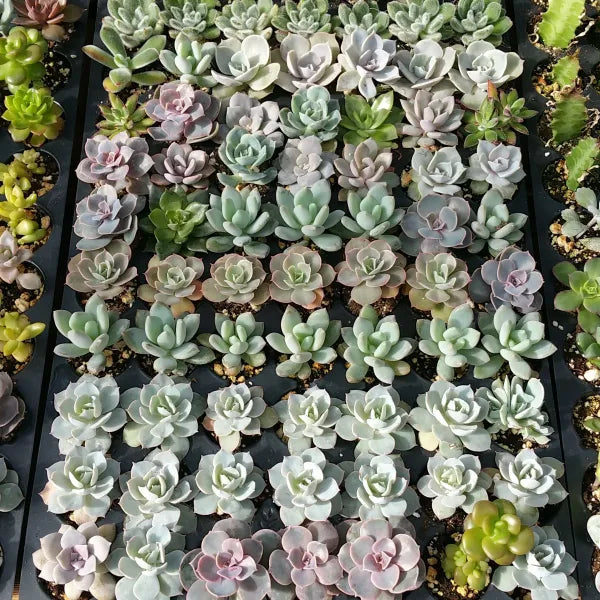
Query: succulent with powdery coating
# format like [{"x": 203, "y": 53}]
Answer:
[
  {"x": 363, "y": 14},
  {"x": 237, "y": 279},
  {"x": 182, "y": 166},
  {"x": 454, "y": 483},
  {"x": 305, "y": 17},
  {"x": 372, "y": 270},
  {"x": 88, "y": 412},
  {"x": 91, "y": 332},
  {"x": 10, "y": 493},
  {"x": 190, "y": 61},
  {"x": 123, "y": 116},
  {"x": 195, "y": 18},
  {"x": 134, "y": 20},
  {"x": 438, "y": 172},
  {"x": 11, "y": 258},
  {"x": 242, "y": 18},
  {"x": 21, "y": 54},
  {"x": 304, "y": 342},
  {"x": 480, "y": 20},
  {"x": 306, "y": 486},
  {"x": 16, "y": 335},
  {"x": 380, "y": 559},
  {"x": 184, "y": 114},
  {"x": 416, "y": 20},
  {"x": 431, "y": 121},
  {"x": 47, "y": 15},
  {"x": 451, "y": 418},
  {"x": 299, "y": 275},
  {"x": 75, "y": 558},
  {"x": 227, "y": 484},
  {"x": 12, "y": 408},
  {"x": 167, "y": 338},
  {"x": 375, "y": 343},
  {"x": 378, "y": 419}
]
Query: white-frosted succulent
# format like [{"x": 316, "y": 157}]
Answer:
[
  {"x": 303, "y": 162},
  {"x": 241, "y": 18},
  {"x": 439, "y": 172},
  {"x": 10, "y": 492}
]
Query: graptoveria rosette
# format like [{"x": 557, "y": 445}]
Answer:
[
  {"x": 10, "y": 493},
  {"x": 306, "y": 486},
  {"x": 378, "y": 420},
  {"x": 227, "y": 484},
  {"x": 451, "y": 418},
  {"x": 454, "y": 483}
]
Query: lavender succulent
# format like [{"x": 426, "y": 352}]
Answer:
[
  {"x": 182, "y": 166},
  {"x": 439, "y": 172},
  {"x": 12, "y": 408},
  {"x": 11, "y": 258},
  {"x": 303, "y": 162}
]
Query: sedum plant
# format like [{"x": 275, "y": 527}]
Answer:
[
  {"x": 93, "y": 331},
  {"x": 416, "y": 20},
  {"x": 559, "y": 23},
  {"x": 363, "y": 14},
  {"x": 480, "y": 20},
  {"x": 13, "y": 261},
  {"x": 304, "y": 342},
  {"x": 12, "y": 408},
  {"x": 195, "y": 18},
  {"x": 134, "y": 20},
  {"x": 439, "y": 172},
  {"x": 128, "y": 116},
  {"x": 305, "y": 17},
  {"x": 16, "y": 335},
  {"x": 190, "y": 61},
  {"x": 21, "y": 54},
  {"x": 242, "y": 18},
  {"x": 10, "y": 493},
  {"x": 583, "y": 291},
  {"x": 227, "y": 484}
]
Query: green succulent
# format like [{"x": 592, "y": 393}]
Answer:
[
  {"x": 33, "y": 115},
  {"x": 480, "y": 20},
  {"x": 584, "y": 286},
  {"x": 126, "y": 69},
  {"x": 134, "y": 20},
  {"x": 158, "y": 333},
  {"x": 195, "y": 18},
  {"x": 588, "y": 339},
  {"x": 375, "y": 343},
  {"x": 416, "y": 20},
  {"x": 560, "y": 21},
  {"x": 190, "y": 61},
  {"x": 123, "y": 116},
  {"x": 25, "y": 226},
  {"x": 363, "y": 14},
  {"x": 463, "y": 570},
  {"x": 304, "y": 342},
  {"x": 92, "y": 331},
  {"x": 242, "y": 18},
  {"x": 21, "y": 54},
  {"x": 15, "y": 180},
  {"x": 304, "y": 17},
  {"x": 239, "y": 341},
  {"x": 6, "y": 16},
  {"x": 568, "y": 118},
  {"x": 377, "y": 119},
  {"x": 565, "y": 72},
  {"x": 16, "y": 333},
  {"x": 580, "y": 160}
]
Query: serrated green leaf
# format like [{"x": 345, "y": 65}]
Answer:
[
  {"x": 568, "y": 119},
  {"x": 580, "y": 160},
  {"x": 560, "y": 22}
]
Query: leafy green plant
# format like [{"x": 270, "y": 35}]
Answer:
[
  {"x": 565, "y": 71},
  {"x": 128, "y": 116},
  {"x": 568, "y": 118},
  {"x": 21, "y": 54},
  {"x": 560, "y": 22},
  {"x": 580, "y": 160}
]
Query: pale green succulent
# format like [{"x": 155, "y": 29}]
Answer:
[
  {"x": 190, "y": 61},
  {"x": 304, "y": 342},
  {"x": 304, "y": 17},
  {"x": 93, "y": 331},
  {"x": 242, "y": 18},
  {"x": 6, "y": 16},
  {"x": 134, "y": 20},
  {"x": 239, "y": 217},
  {"x": 158, "y": 333},
  {"x": 480, "y": 20},
  {"x": 375, "y": 343},
  {"x": 195, "y": 18},
  {"x": 363, "y": 14},
  {"x": 88, "y": 412},
  {"x": 456, "y": 343},
  {"x": 10, "y": 493},
  {"x": 416, "y": 20},
  {"x": 239, "y": 341}
]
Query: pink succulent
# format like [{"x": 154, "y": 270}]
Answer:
[
  {"x": 11, "y": 257},
  {"x": 47, "y": 16},
  {"x": 181, "y": 165}
]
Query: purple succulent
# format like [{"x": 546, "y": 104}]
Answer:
[
  {"x": 380, "y": 561},
  {"x": 182, "y": 165},
  {"x": 306, "y": 565},
  {"x": 509, "y": 279},
  {"x": 184, "y": 114},
  {"x": 11, "y": 258},
  {"x": 12, "y": 408},
  {"x": 121, "y": 161}
]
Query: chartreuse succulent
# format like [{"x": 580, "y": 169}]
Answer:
[
  {"x": 480, "y": 20},
  {"x": 125, "y": 69},
  {"x": 16, "y": 333},
  {"x": 304, "y": 342},
  {"x": 581, "y": 158},
  {"x": 584, "y": 286},
  {"x": 416, "y": 20},
  {"x": 190, "y": 61},
  {"x": 565, "y": 72},
  {"x": 588, "y": 339},
  {"x": 304, "y": 17},
  {"x": 363, "y": 14},
  {"x": 123, "y": 116},
  {"x": 569, "y": 118},
  {"x": 560, "y": 22},
  {"x": 241, "y": 18},
  {"x": 10, "y": 493},
  {"x": 134, "y": 20},
  {"x": 16, "y": 177},
  {"x": 21, "y": 53},
  {"x": 195, "y": 18},
  {"x": 375, "y": 343}
]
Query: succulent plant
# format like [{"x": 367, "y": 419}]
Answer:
[
  {"x": 242, "y": 18},
  {"x": 529, "y": 482},
  {"x": 306, "y": 486},
  {"x": 16, "y": 333},
  {"x": 375, "y": 343},
  {"x": 227, "y": 484},
  {"x": 378, "y": 419},
  {"x": 236, "y": 279},
  {"x": 438, "y": 172},
  {"x": 373, "y": 214},
  {"x": 105, "y": 271},
  {"x": 184, "y": 114},
  {"x": 134, "y": 20},
  {"x": 377, "y": 487},
  {"x": 309, "y": 419},
  {"x": 511, "y": 338},
  {"x": 545, "y": 570},
  {"x": 363, "y": 14},
  {"x": 163, "y": 412},
  {"x": 126, "y": 69},
  {"x": 415, "y": 20},
  {"x": 305, "y": 17},
  {"x": 123, "y": 116},
  {"x": 47, "y": 15},
  {"x": 10, "y": 493},
  {"x": 576, "y": 222},
  {"x": 195, "y": 18},
  {"x": 436, "y": 223},
  {"x": 174, "y": 281},
  {"x": 25, "y": 225},
  {"x": 372, "y": 270},
  {"x": 83, "y": 482},
  {"x": 34, "y": 116},
  {"x": 240, "y": 342},
  {"x": 91, "y": 332},
  {"x": 583, "y": 286},
  {"x": 304, "y": 342},
  {"x": 6, "y": 16},
  {"x": 244, "y": 66},
  {"x": 305, "y": 215},
  {"x": 88, "y": 412},
  {"x": 12, "y": 408},
  {"x": 311, "y": 112},
  {"x": 480, "y": 20},
  {"x": 239, "y": 219},
  {"x": 299, "y": 275},
  {"x": 517, "y": 406},
  {"x": 431, "y": 121},
  {"x": 451, "y": 417},
  {"x": 454, "y": 483},
  {"x": 303, "y": 162},
  {"x": 21, "y": 54},
  {"x": 122, "y": 162},
  {"x": 190, "y": 61},
  {"x": 183, "y": 167},
  {"x": 12, "y": 262},
  {"x": 76, "y": 559},
  {"x": 16, "y": 177},
  {"x": 586, "y": 340},
  {"x": 159, "y": 334},
  {"x": 379, "y": 558}
]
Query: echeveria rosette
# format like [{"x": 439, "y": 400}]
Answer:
[
  {"x": 416, "y": 20},
  {"x": 135, "y": 21},
  {"x": 436, "y": 172},
  {"x": 454, "y": 483},
  {"x": 190, "y": 61},
  {"x": 480, "y": 20},
  {"x": 451, "y": 418},
  {"x": 242, "y": 18},
  {"x": 196, "y": 18},
  {"x": 305, "y": 17},
  {"x": 380, "y": 560},
  {"x": 227, "y": 483},
  {"x": 88, "y": 412},
  {"x": 377, "y": 487},
  {"x": 528, "y": 481},
  {"x": 306, "y": 486},
  {"x": 583, "y": 286},
  {"x": 364, "y": 14},
  {"x": 10, "y": 492},
  {"x": 182, "y": 166},
  {"x": 12, "y": 407},
  {"x": 13, "y": 268},
  {"x": 378, "y": 420}
]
